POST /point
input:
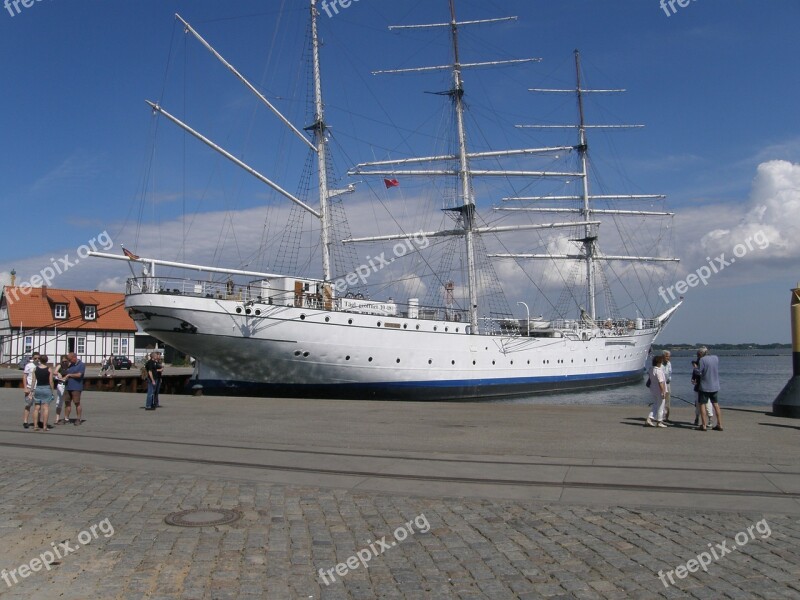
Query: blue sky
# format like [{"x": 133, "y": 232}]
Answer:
[{"x": 715, "y": 83}]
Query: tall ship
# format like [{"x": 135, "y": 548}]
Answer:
[{"x": 325, "y": 332}]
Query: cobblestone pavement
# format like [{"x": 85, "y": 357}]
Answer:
[{"x": 472, "y": 549}]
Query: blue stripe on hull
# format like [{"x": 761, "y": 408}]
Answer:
[{"x": 422, "y": 390}]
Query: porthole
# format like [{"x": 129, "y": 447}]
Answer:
[
  {"x": 369, "y": 359},
  {"x": 452, "y": 362},
  {"x": 239, "y": 310},
  {"x": 457, "y": 329},
  {"x": 474, "y": 363},
  {"x": 302, "y": 317},
  {"x": 305, "y": 354},
  {"x": 297, "y": 352},
  {"x": 447, "y": 329},
  {"x": 492, "y": 362},
  {"x": 435, "y": 327},
  {"x": 405, "y": 325},
  {"x": 430, "y": 362},
  {"x": 379, "y": 323},
  {"x": 512, "y": 362},
  {"x": 258, "y": 312},
  {"x": 398, "y": 360},
  {"x": 347, "y": 357},
  {"x": 529, "y": 362},
  {"x": 349, "y": 321},
  {"x": 327, "y": 319},
  {"x": 417, "y": 327}
]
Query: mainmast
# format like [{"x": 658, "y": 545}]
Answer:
[
  {"x": 319, "y": 129},
  {"x": 590, "y": 236},
  {"x": 468, "y": 206},
  {"x": 463, "y": 172}
]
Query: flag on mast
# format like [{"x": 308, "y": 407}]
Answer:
[
  {"x": 390, "y": 183},
  {"x": 129, "y": 254}
]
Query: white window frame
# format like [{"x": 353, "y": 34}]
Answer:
[
  {"x": 80, "y": 346},
  {"x": 28, "y": 344},
  {"x": 90, "y": 312},
  {"x": 60, "y": 311},
  {"x": 115, "y": 346},
  {"x": 124, "y": 345}
]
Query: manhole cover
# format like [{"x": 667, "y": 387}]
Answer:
[{"x": 203, "y": 517}]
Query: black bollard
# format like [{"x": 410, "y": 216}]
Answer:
[{"x": 787, "y": 404}]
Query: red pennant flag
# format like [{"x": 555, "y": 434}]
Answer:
[
  {"x": 390, "y": 183},
  {"x": 129, "y": 254}
]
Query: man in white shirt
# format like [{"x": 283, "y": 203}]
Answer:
[
  {"x": 667, "y": 367},
  {"x": 27, "y": 386}
]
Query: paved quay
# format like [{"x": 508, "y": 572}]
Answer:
[{"x": 439, "y": 500}]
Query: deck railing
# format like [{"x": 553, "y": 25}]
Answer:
[{"x": 253, "y": 293}]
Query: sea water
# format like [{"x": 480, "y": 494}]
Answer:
[{"x": 747, "y": 378}]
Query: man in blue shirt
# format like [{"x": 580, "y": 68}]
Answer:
[
  {"x": 74, "y": 387},
  {"x": 707, "y": 373}
]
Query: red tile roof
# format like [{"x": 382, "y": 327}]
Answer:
[{"x": 36, "y": 309}]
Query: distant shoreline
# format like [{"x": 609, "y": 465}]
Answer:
[{"x": 722, "y": 346}]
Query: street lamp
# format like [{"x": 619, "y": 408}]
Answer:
[{"x": 528, "y": 320}]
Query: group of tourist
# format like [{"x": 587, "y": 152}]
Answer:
[
  {"x": 43, "y": 384},
  {"x": 705, "y": 379}
]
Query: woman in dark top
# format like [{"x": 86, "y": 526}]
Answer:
[{"x": 42, "y": 394}]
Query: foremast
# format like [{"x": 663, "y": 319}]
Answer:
[
  {"x": 319, "y": 129},
  {"x": 591, "y": 254}
]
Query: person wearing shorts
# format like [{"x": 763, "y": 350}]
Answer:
[
  {"x": 707, "y": 373},
  {"x": 42, "y": 394},
  {"x": 61, "y": 386},
  {"x": 28, "y": 383},
  {"x": 74, "y": 387}
]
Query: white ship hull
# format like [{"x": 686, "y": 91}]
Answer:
[{"x": 303, "y": 352}]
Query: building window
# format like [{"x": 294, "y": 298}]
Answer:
[
  {"x": 28, "y": 344},
  {"x": 124, "y": 346},
  {"x": 90, "y": 312},
  {"x": 61, "y": 311},
  {"x": 114, "y": 346},
  {"x": 81, "y": 345}
]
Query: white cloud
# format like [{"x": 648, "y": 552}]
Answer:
[
  {"x": 766, "y": 225},
  {"x": 111, "y": 284}
]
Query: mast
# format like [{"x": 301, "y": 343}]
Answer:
[
  {"x": 319, "y": 129},
  {"x": 468, "y": 206},
  {"x": 589, "y": 237}
]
